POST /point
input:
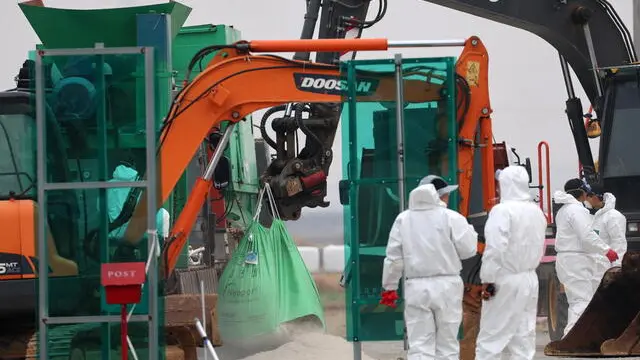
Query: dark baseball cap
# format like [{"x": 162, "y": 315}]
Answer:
[
  {"x": 577, "y": 184},
  {"x": 442, "y": 187}
]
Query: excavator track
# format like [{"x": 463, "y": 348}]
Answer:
[
  {"x": 22, "y": 342},
  {"x": 610, "y": 325}
]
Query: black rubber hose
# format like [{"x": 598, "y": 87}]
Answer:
[
  {"x": 263, "y": 123},
  {"x": 299, "y": 108}
]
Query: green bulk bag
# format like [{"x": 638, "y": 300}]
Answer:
[{"x": 266, "y": 283}]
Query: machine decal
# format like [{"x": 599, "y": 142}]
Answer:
[
  {"x": 473, "y": 73},
  {"x": 331, "y": 84},
  {"x": 10, "y": 264}
]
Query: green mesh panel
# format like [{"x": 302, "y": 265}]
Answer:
[
  {"x": 370, "y": 168},
  {"x": 95, "y": 124}
]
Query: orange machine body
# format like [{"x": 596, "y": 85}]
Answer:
[
  {"x": 236, "y": 84},
  {"x": 18, "y": 248}
]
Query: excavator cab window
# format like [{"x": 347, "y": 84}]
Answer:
[
  {"x": 17, "y": 165},
  {"x": 621, "y": 130},
  {"x": 618, "y": 162},
  {"x": 18, "y": 178}
]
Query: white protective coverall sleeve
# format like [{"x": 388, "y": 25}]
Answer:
[
  {"x": 393, "y": 265},
  {"x": 464, "y": 236},
  {"x": 615, "y": 224},
  {"x": 581, "y": 222},
  {"x": 515, "y": 235},
  {"x": 616, "y": 228}
]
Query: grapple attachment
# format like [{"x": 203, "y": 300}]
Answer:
[{"x": 610, "y": 325}]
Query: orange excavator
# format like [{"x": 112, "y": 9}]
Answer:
[
  {"x": 219, "y": 94},
  {"x": 214, "y": 97}
]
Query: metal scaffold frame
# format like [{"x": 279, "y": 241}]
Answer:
[{"x": 149, "y": 184}]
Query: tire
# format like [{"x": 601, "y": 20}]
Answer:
[{"x": 557, "y": 308}]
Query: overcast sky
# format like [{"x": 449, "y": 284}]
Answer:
[{"x": 527, "y": 90}]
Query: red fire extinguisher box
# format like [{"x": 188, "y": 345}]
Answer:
[{"x": 123, "y": 282}]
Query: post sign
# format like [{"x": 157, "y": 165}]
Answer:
[
  {"x": 123, "y": 282},
  {"x": 120, "y": 274}
]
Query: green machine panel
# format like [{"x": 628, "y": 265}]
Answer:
[{"x": 370, "y": 191}]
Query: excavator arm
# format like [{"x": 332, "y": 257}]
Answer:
[
  {"x": 573, "y": 27},
  {"x": 219, "y": 94},
  {"x": 589, "y": 36},
  {"x": 337, "y": 19}
]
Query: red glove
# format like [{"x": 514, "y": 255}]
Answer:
[
  {"x": 612, "y": 255},
  {"x": 389, "y": 298}
]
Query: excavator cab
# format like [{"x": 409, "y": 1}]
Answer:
[
  {"x": 72, "y": 214},
  {"x": 18, "y": 199}
]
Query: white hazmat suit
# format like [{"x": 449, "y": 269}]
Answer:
[
  {"x": 514, "y": 236},
  {"x": 611, "y": 226},
  {"x": 576, "y": 245},
  {"x": 117, "y": 197},
  {"x": 427, "y": 242}
]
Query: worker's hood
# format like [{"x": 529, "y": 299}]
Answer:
[
  {"x": 609, "y": 204},
  {"x": 424, "y": 197},
  {"x": 514, "y": 184},
  {"x": 562, "y": 197},
  {"x": 124, "y": 173}
]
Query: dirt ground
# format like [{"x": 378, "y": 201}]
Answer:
[
  {"x": 332, "y": 295},
  {"x": 334, "y": 305}
]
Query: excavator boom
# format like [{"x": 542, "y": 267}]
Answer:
[{"x": 219, "y": 94}]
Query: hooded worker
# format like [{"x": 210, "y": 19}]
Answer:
[
  {"x": 117, "y": 197},
  {"x": 426, "y": 244},
  {"x": 576, "y": 245},
  {"x": 611, "y": 226},
  {"x": 514, "y": 235}
]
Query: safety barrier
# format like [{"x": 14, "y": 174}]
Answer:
[
  {"x": 330, "y": 258},
  {"x": 327, "y": 259}
]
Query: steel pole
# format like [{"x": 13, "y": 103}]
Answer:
[
  {"x": 400, "y": 128},
  {"x": 205, "y": 340},
  {"x": 400, "y": 144},
  {"x": 592, "y": 57},
  {"x": 424, "y": 43},
  {"x": 217, "y": 153}
]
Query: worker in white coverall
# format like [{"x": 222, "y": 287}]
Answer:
[
  {"x": 116, "y": 198},
  {"x": 576, "y": 245},
  {"x": 514, "y": 235},
  {"x": 611, "y": 226},
  {"x": 426, "y": 243}
]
